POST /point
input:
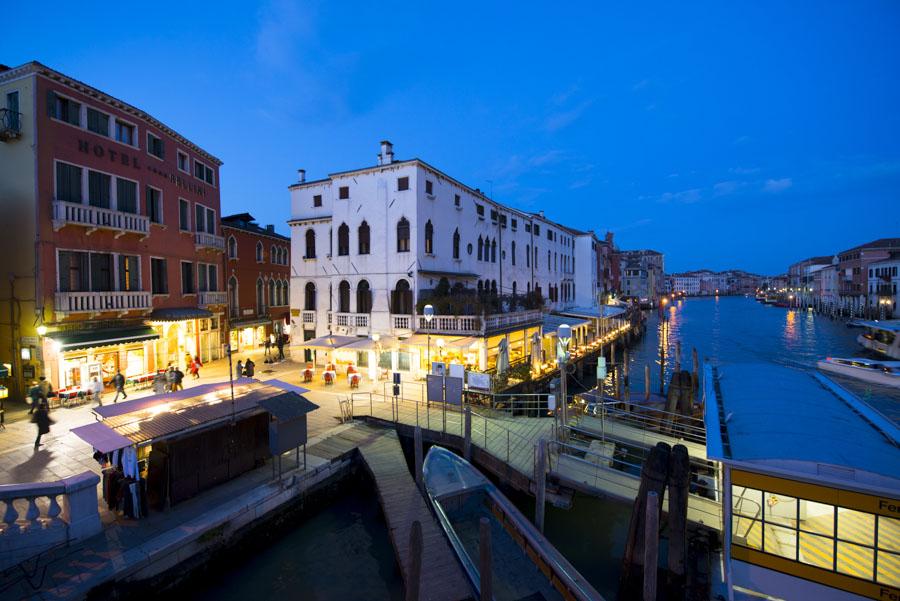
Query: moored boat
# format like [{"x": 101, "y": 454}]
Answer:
[
  {"x": 524, "y": 564},
  {"x": 886, "y": 373},
  {"x": 882, "y": 337}
]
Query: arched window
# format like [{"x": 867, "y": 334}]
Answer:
[
  {"x": 494, "y": 250},
  {"x": 310, "y": 244},
  {"x": 403, "y": 236},
  {"x": 480, "y": 248},
  {"x": 273, "y": 300},
  {"x": 363, "y": 297},
  {"x": 456, "y": 244},
  {"x": 514, "y": 289},
  {"x": 401, "y": 299},
  {"x": 363, "y": 235},
  {"x": 274, "y": 255},
  {"x": 233, "y": 305},
  {"x": 344, "y": 297},
  {"x": 309, "y": 300},
  {"x": 286, "y": 290},
  {"x": 260, "y": 297},
  {"x": 528, "y": 288},
  {"x": 429, "y": 238},
  {"x": 512, "y": 250},
  {"x": 494, "y": 287},
  {"x": 528, "y": 256},
  {"x": 480, "y": 288},
  {"x": 232, "y": 247},
  {"x": 259, "y": 252},
  {"x": 343, "y": 240}
]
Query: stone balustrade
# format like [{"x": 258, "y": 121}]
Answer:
[{"x": 37, "y": 516}]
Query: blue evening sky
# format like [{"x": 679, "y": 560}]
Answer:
[{"x": 724, "y": 134}]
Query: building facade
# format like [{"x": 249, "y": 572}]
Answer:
[
  {"x": 257, "y": 272},
  {"x": 370, "y": 247},
  {"x": 642, "y": 274},
  {"x": 117, "y": 258},
  {"x": 884, "y": 280},
  {"x": 853, "y": 268}
]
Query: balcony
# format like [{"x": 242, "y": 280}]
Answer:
[
  {"x": 474, "y": 325},
  {"x": 309, "y": 320},
  {"x": 101, "y": 302},
  {"x": 401, "y": 325},
  {"x": 205, "y": 299},
  {"x": 10, "y": 125},
  {"x": 202, "y": 240},
  {"x": 97, "y": 218},
  {"x": 350, "y": 324}
]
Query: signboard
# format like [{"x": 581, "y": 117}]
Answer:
[
  {"x": 551, "y": 402},
  {"x": 601, "y": 368},
  {"x": 453, "y": 390},
  {"x": 247, "y": 311},
  {"x": 435, "y": 388},
  {"x": 295, "y": 312},
  {"x": 457, "y": 371},
  {"x": 29, "y": 340},
  {"x": 438, "y": 368},
  {"x": 478, "y": 380}
]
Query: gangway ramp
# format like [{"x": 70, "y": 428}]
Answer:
[{"x": 641, "y": 437}]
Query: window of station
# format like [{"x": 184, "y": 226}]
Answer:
[{"x": 834, "y": 538}]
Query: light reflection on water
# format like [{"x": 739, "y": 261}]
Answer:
[{"x": 740, "y": 330}]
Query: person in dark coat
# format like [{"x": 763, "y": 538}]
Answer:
[
  {"x": 280, "y": 344},
  {"x": 42, "y": 419},
  {"x": 248, "y": 368},
  {"x": 119, "y": 383},
  {"x": 34, "y": 393},
  {"x": 179, "y": 378}
]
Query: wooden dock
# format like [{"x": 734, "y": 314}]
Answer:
[{"x": 442, "y": 576}]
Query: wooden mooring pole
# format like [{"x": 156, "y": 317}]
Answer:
[
  {"x": 540, "y": 482},
  {"x": 695, "y": 370},
  {"x": 679, "y": 484},
  {"x": 626, "y": 383},
  {"x": 678, "y": 355},
  {"x": 646, "y": 382},
  {"x": 417, "y": 443},
  {"x": 415, "y": 562},
  {"x": 485, "y": 565},
  {"x": 651, "y": 546}
]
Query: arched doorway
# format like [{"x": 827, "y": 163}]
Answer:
[
  {"x": 344, "y": 297},
  {"x": 401, "y": 299}
]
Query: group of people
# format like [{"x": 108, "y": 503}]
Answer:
[{"x": 245, "y": 369}]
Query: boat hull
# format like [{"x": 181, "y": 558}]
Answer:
[
  {"x": 860, "y": 373},
  {"x": 892, "y": 351}
]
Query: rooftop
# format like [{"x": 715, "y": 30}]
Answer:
[
  {"x": 891, "y": 243},
  {"x": 788, "y": 420},
  {"x": 246, "y": 222}
]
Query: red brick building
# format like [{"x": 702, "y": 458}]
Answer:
[
  {"x": 117, "y": 258},
  {"x": 258, "y": 272}
]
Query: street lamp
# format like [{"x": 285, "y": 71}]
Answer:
[
  {"x": 429, "y": 315},
  {"x": 563, "y": 335}
]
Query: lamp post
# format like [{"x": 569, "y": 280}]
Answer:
[
  {"x": 429, "y": 315},
  {"x": 376, "y": 337},
  {"x": 563, "y": 335}
]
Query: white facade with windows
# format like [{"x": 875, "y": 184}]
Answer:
[{"x": 369, "y": 243}]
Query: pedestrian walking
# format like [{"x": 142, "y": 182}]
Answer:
[
  {"x": 46, "y": 389},
  {"x": 248, "y": 368},
  {"x": 268, "y": 347},
  {"x": 119, "y": 382},
  {"x": 179, "y": 378},
  {"x": 170, "y": 379},
  {"x": 34, "y": 393},
  {"x": 42, "y": 419},
  {"x": 195, "y": 367},
  {"x": 97, "y": 390},
  {"x": 280, "y": 344},
  {"x": 239, "y": 369}
]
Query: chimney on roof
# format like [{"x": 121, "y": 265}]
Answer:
[
  {"x": 541, "y": 213},
  {"x": 270, "y": 228},
  {"x": 301, "y": 175},
  {"x": 386, "y": 157}
]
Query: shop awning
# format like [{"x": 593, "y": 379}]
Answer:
[
  {"x": 367, "y": 344},
  {"x": 180, "y": 314},
  {"x": 250, "y": 322},
  {"x": 461, "y": 343},
  {"x": 329, "y": 342},
  {"x": 82, "y": 339},
  {"x": 101, "y": 437},
  {"x": 552, "y": 322}
]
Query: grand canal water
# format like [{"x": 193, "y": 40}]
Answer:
[{"x": 735, "y": 329}]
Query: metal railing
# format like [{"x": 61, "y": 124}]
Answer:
[
  {"x": 10, "y": 125},
  {"x": 650, "y": 419},
  {"x": 74, "y": 213},
  {"x": 475, "y": 325}
]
